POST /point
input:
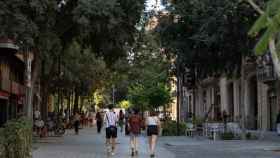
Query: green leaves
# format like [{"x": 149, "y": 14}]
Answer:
[
  {"x": 269, "y": 23},
  {"x": 262, "y": 45},
  {"x": 209, "y": 37},
  {"x": 260, "y": 24},
  {"x": 148, "y": 73},
  {"x": 17, "y": 139}
]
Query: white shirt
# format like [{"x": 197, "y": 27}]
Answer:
[
  {"x": 39, "y": 123},
  {"x": 152, "y": 121},
  {"x": 110, "y": 119},
  {"x": 37, "y": 114}
]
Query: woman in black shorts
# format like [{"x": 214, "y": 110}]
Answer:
[{"x": 153, "y": 127}]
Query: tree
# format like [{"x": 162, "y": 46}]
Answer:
[
  {"x": 268, "y": 23},
  {"x": 50, "y": 27},
  {"x": 149, "y": 73},
  {"x": 208, "y": 37},
  {"x": 125, "y": 104}
]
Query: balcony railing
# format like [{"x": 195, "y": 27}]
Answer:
[{"x": 266, "y": 73}]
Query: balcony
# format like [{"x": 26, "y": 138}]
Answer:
[{"x": 266, "y": 74}]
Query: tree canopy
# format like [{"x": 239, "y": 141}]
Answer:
[{"x": 208, "y": 37}]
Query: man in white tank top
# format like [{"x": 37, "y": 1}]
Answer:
[{"x": 111, "y": 119}]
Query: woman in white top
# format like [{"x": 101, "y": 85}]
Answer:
[{"x": 153, "y": 128}]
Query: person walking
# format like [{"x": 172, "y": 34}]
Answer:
[
  {"x": 134, "y": 126},
  {"x": 121, "y": 120},
  {"x": 76, "y": 120},
  {"x": 127, "y": 115},
  {"x": 278, "y": 123},
  {"x": 153, "y": 128},
  {"x": 111, "y": 119},
  {"x": 99, "y": 121}
]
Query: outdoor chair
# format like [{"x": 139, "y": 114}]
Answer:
[{"x": 190, "y": 129}]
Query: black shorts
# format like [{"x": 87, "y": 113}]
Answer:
[
  {"x": 111, "y": 132},
  {"x": 152, "y": 130}
]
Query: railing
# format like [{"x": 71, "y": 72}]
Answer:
[
  {"x": 266, "y": 73},
  {"x": 214, "y": 129}
]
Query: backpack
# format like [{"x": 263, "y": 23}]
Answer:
[
  {"x": 135, "y": 124},
  {"x": 121, "y": 116}
]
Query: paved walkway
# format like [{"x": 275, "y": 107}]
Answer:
[
  {"x": 89, "y": 144},
  {"x": 185, "y": 147}
]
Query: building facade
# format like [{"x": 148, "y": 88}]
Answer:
[
  {"x": 12, "y": 88},
  {"x": 259, "y": 98}
]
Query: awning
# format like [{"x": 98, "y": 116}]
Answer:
[
  {"x": 8, "y": 43},
  {"x": 4, "y": 95}
]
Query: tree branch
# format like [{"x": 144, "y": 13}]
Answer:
[
  {"x": 255, "y": 6},
  {"x": 275, "y": 59}
]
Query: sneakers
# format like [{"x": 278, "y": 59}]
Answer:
[
  {"x": 152, "y": 155},
  {"x": 132, "y": 152},
  {"x": 108, "y": 149}
]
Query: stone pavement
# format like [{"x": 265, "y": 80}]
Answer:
[
  {"x": 89, "y": 144},
  {"x": 185, "y": 147}
]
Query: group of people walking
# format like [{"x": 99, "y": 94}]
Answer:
[{"x": 134, "y": 123}]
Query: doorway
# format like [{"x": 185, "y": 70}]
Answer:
[
  {"x": 3, "y": 112},
  {"x": 253, "y": 104},
  {"x": 230, "y": 102},
  {"x": 273, "y": 110}
]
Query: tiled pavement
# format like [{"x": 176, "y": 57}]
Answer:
[
  {"x": 184, "y": 147},
  {"x": 89, "y": 144}
]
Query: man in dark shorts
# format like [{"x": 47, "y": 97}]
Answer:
[
  {"x": 134, "y": 123},
  {"x": 111, "y": 119}
]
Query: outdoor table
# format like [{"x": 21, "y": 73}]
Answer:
[{"x": 213, "y": 129}]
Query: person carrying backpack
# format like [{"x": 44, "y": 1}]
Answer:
[
  {"x": 111, "y": 119},
  {"x": 98, "y": 118},
  {"x": 134, "y": 125},
  {"x": 121, "y": 120}
]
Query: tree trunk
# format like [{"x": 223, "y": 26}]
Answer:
[
  {"x": 68, "y": 106},
  {"x": 178, "y": 100},
  {"x": 82, "y": 103},
  {"x": 242, "y": 101},
  {"x": 206, "y": 115},
  {"x": 275, "y": 58},
  {"x": 44, "y": 104},
  {"x": 33, "y": 73},
  {"x": 76, "y": 101}
]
